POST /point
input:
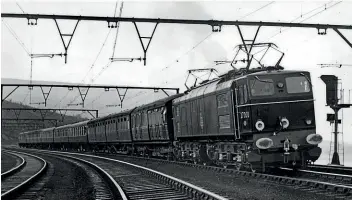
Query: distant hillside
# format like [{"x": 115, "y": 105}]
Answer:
[{"x": 11, "y": 128}]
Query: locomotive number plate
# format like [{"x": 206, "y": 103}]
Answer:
[{"x": 244, "y": 115}]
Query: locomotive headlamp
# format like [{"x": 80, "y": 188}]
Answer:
[
  {"x": 308, "y": 121},
  {"x": 295, "y": 146},
  {"x": 244, "y": 123},
  {"x": 259, "y": 125},
  {"x": 314, "y": 139},
  {"x": 280, "y": 85},
  {"x": 264, "y": 143},
  {"x": 284, "y": 122}
]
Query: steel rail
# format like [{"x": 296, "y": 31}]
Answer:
[
  {"x": 331, "y": 167},
  {"x": 294, "y": 182},
  {"x": 111, "y": 181},
  {"x": 174, "y": 21},
  {"x": 14, "y": 191},
  {"x": 14, "y": 169},
  {"x": 199, "y": 191},
  {"x": 325, "y": 173},
  {"x": 337, "y": 188}
]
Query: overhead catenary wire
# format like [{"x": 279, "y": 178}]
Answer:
[
  {"x": 96, "y": 58},
  {"x": 20, "y": 7},
  {"x": 16, "y": 36},
  {"x": 309, "y": 12},
  {"x": 94, "y": 62},
  {"x": 117, "y": 29},
  {"x": 194, "y": 47},
  {"x": 100, "y": 50},
  {"x": 256, "y": 10},
  {"x": 110, "y": 61},
  {"x": 190, "y": 50}
]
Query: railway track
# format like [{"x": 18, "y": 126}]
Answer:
[
  {"x": 15, "y": 168},
  {"x": 333, "y": 178},
  {"x": 337, "y": 189},
  {"x": 331, "y": 169},
  {"x": 105, "y": 187},
  {"x": 334, "y": 185},
  {"x": 21, "y": 177},
  {"x": 137, "y": 182}
]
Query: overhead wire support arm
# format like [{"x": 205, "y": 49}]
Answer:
[
  {"x": 343, "y": 37},
  {"x": 145, "y": 49},
  {"x": 45, "y": 55},
  {"x": 83, "y": 94},
  {"x": 121, "y": 96},
  {"x": 66, "y": 46},
  {"x": 45, "y": 94},
  {"x": 2, "y": 90}
]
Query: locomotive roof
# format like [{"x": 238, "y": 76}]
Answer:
[
  {"x": 158, "y": 102},
  {"x": 205, "y": 89},
  {"x": 276, "y": 72},
  {"x": 220, "y": 84}
]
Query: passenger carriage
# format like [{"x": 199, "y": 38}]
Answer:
[
  {"x": 77, "y": 135},
  {"x": 152, "y": 127},
  {"x": 112, "y": 132}
]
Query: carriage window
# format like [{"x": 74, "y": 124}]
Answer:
[
  {"x": 297, "y": 84},
  {"x": 183, "y": 113},
  {"x": 262, "y": 87},
  {"x": 222, "y": 100},
  {"x": 240, "y": 95},
  {"x": 201, "y": 123},
  {"x": 145, "y": 119},
  {"x": 177, "y": 110},
  {"x": 245, "y": 93},
  {"x": 224, "y": 121}
]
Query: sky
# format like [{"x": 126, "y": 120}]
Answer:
[{"x": 175, "y": 48}]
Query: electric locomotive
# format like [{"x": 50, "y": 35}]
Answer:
[{"x": 249, "y": 119}]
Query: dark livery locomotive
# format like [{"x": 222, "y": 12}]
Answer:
[
  {"x": 262, "y": 117},
  {"x": 258, "y": 118}
]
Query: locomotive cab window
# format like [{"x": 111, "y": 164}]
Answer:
[
  {"x": 262, "y": 86},
  {"x": 222, "y": 100},
  {"x": 298, "y": 84}
]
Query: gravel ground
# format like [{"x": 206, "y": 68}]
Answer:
[
  {"x": 228, "y": 185},
  {"x": 67, "y": 182},
  {"x": 62, "y": 180},
  {"x": 8, "y": 162}
]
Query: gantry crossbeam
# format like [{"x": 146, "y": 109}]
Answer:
[
  {"x": 215, "y": 25},
  {"x": 80, "y": 88},
  {"x": 174, "y": 21}
]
